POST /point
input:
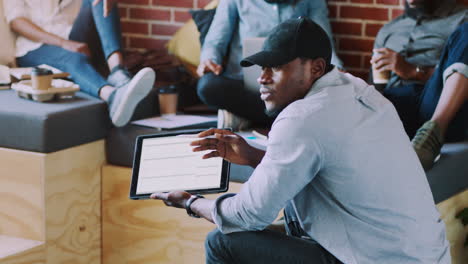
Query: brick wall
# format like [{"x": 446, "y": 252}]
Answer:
[{"x": 150, "y": 23}]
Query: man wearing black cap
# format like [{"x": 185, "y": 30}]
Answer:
[{"x": 326, "y": 163}]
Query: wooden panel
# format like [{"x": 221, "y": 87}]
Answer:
[
  {"x": 21, "y": 192},
  {"x": 72, "y": 198},
  {"x": 456, "y": 232},
  {"x": 147, "y": 231}
]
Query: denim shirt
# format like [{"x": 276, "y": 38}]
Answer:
[
  {"x": 420, "y": 40},
  {"x": 236, "y": 20},
  {"x": 342, "y": 156}
]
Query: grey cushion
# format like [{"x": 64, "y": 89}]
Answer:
[
  {"x": 449, "y": 175},
  {"x": 51, "y": 126}
]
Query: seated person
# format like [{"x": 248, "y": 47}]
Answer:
[
  {"x": 221, "y": 86},
  {"x": 345, "y": 200},
  {"x": 62, "y": 35},
  {"x": 428, "y": 83}
]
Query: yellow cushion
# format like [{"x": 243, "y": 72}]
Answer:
[{"x": 185, "y": 43}]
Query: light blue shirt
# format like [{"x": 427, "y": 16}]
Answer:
[
  {"x": 341, "y": 154},
  {"x": 236, "y": 20}
]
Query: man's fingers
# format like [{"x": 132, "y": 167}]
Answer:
[
  {"x": 204, "y": 142},
  {"x": 227, "y": 138},
  {"x": 159, "y": 196},
  {"x": 213, "y": 154},
  {"x": 382, "y": 63},
  {"x": 203, "y": 148},
  {"x": 214, "y": 67},
  {"x": 213, "y": 131}
]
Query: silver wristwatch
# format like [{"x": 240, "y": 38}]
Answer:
[{"x": 189, "y": 202}]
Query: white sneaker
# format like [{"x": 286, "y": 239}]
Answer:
[
  {"x": 123, "y": 101},
  {"x": 229, "y": 120}
]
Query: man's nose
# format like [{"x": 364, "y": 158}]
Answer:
[{"x": 265, "y": 77}]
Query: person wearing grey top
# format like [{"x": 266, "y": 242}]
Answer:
[
  {"x": 331, "y": 158},
  {"x": 425, "y": 50},
  {"x": 221, "y": 85}
]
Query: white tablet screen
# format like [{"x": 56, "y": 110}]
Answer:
[{"x": 168, "y": 163}]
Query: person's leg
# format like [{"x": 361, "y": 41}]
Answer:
[
  {"x": 223, "y": 93},
  {"x": 444, "y": 101},
  {"x": 77, "y": 64},
  {"x": 263, "y": 247},
  {"x": 405, "y": 100}
]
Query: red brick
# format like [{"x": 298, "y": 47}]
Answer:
[
  {"x": 463, "y": 2},
  {"x": 346, "y": 28},
  {"x": 135, "y": 2},
  {"x": 147, "y": 43},
  {"x": 355, "y": 44},
  {"x": 364, "y": 13},
  {"x": 174, "y": 3},
  {"x": 367, "y": 63},
  {"x": 202, "y": 3},
  {"x": 350, "y": 60},
  {"x": 388, "y": 2},
  {"x": 332, "y": 11},
  {"x": 123, "y": 12},
  {"x": 363, "y": 1},
  {"x": 362, "y": 73},
  {"x": 373, "y": 29},
  {"x": 165, "y": 30},
  {"x": 337, "y": 0},
  {"x": 397, "y": 12},
  {"x": 182, "y": 16},
  {"x": 135, "y": 27},
  {"x": 151, "y": 14}
]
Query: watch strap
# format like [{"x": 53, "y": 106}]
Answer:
[{"x": 189, "y": 202}]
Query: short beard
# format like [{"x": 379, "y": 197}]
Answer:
[{"x": 273, "y": 113}]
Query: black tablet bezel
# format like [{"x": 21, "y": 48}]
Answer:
[{"x": 136, "y": 167}]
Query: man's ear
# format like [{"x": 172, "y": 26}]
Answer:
[{"x": 318, "y": 68}]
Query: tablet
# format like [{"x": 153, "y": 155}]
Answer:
[{"x": 165, "y": 162}]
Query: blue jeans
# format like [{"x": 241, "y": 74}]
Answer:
[
  {"x": 103, "y": 36},
  {"x": 264, "y": 247},
  {"x": 416, "y": 103},
  {"x": 224, "y": 93}
]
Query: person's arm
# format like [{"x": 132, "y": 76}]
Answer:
[
  {"x": 218, "y": 38},
  {"x": 387, "y": 59},
  {"x": 318, "y": 12}
]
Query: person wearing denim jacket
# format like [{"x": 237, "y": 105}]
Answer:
[{"x": 221, "y": 85}]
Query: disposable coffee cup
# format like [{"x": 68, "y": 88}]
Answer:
[
  {"x": 168, "y": 97},
  {"x": 379, "y": 76},
  {"x": 41, "y": 78}
]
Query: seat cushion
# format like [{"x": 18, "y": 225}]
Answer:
[
  {"x": 52, "y": 126},
  {"x": 449, "y": 175},
  {"x": 120, "y": 146}
]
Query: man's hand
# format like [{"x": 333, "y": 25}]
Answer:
[
  {"x": 108, "y": 5},
  {"x": 228, "y": 146},
  {"x": 387, "y": 59},
  {"x": 209, "y": 66},
  {"x": 175, "y": 199},
  {"x": 75, "y": 46}
]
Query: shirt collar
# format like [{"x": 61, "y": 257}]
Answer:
[{"x": 332, "y": 78}]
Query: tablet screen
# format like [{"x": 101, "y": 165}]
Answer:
[{"x": 168, "y": 163}]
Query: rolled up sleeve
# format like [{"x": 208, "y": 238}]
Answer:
[
  {"x": 288, "y": 166},
  {"x": 13, "y": 9}
]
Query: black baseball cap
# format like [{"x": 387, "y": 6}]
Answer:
[{"x": 294, "y": 38}]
